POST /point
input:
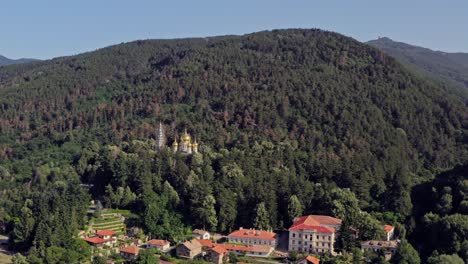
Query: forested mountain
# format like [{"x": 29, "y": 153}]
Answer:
[
  {"x": 6, "y": 61},
  {"x": 450, "y": 69},
  {"x": 280, "y": 115}
]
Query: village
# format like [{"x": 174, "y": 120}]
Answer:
[{"x": 305, "y": 241}]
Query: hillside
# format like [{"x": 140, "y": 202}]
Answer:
[
  {"x": 450, "y": 69},
  {"x": 280, "y": 115},
  {"x": 6, "y": 61}
]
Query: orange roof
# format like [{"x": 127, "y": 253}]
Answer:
[
  {"x": 219, "y": 249},
  {"x": 388, "y": 228},
  {"x": 261, "y": 248},
  {"x": 96, "y": 240},
  {"x": 312, "y": 260},
  {"x": 158, "y": 242},
  {"x": 252, "y": 233},
  {"x": 105, "y": 232},
  {"x": 206, "y": 243},
  {"x": 316, "y": 222},
  {"x": 130, "y": 250},
  {"x": 230, "y": 247}
]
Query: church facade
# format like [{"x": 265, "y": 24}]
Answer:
[{"x": 185, "y": 145}]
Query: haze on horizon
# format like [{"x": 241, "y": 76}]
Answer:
[{"x": 34, "y": 29}]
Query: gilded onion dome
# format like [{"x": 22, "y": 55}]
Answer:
[
  {"x": 186, "y": 136},
  {"x": 195, "y": 144},
  {"x": 175, "y": 142}
]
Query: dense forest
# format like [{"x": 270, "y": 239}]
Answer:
[{"x": 289, "y": 122}]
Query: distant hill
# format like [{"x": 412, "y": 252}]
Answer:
[
  {"x": 448, "y": 68},
  {"x": 6, "y": 61}
]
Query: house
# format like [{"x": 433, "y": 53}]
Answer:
[
  {"x": 102, "y": 238},
  {"x": 162, "y": 245},
  {"x": 252, "y": 237},
  {"x": 389, "y": 232},
  {"x": 313, "y": 234},
  {"x": 218, "y": 254},
  {"x": 189, "y": 249},
  {"x": 388, "y": 248},
  {"x": 105, "y": 234},
  {"x": 309, "y": 260},
  {"x": 201, "y": 234},
  {"x": 129, "y": 252}
]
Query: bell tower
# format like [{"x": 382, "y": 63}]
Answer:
[{"x": 160, "y": 137}]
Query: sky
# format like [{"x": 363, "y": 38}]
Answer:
[{"x": 44, "y": 29}]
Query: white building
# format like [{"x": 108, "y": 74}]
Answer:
[
  {"x": 313, "y": 234},
  {"x": 201, "y": 234}
]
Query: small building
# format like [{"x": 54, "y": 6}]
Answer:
[
  {"x": 218, "y": 255},
  {"x": 388, "y": 248},
  {"x": 389, "y": 232},
  {"x": 189, "y": 249},
  {"x": 201, "y": 234},
  {"x": 105, "y": 234},
  {"x": 102, "y": 238},
  {"x": 129, "y": 252},
  {"x": 162, "y": 245},
  {"x": 252, "y": 237},
  {"x": 309, "y": 260}
]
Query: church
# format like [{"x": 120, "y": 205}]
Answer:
[{"x": 186, "y": 145}]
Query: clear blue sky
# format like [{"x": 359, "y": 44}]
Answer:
[{"x": 49, "y": 28}]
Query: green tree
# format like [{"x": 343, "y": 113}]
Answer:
[
  {"x": 295, "y": 208},
  {"x": 19, "y": 259},
  {"x": 445, "y": 259},
  {"x": 262, "y": 217},
  {"x": 406, "y": 254},
  {"x": 147, "y": 257}
]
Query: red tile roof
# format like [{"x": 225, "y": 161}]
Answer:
[
  {"x": 230, "y": 247},
  {"x": 219, "y": 249},
  {"x": 158, "y": 242},
  {"x": 317, "y": 228},
  {"x": 316, "y": 222},
  {"x": 130, "y": 250},
  {"x": 252, "y": 233},
  {"x": 97, "y": 240},
  {"x": 206, "y": 243},
  {"x": 312, "y": 260},
  {"x": 105, "y": 233},
  {"x": 388, "y": 228},
  {"x": 261, "y": 248}
]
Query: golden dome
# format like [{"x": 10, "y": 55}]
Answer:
[
  {"x": 195, "y": 144},
  {"x": 175, "y": 142},
  {"x": 186, "y": 136}
]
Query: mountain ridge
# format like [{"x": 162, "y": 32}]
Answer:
[
  {"x": 445, "y": 67},
  {"x": 4, "y": 61}
]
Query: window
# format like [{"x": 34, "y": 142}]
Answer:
[
  {"x": 293, "y": 234},
  {"x": 293, "y": 242},
  {"x": 318, "y": 237},
  {"x": 305, "y": 236}
]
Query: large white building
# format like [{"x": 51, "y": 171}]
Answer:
[{"x": 313, "y": 234}]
